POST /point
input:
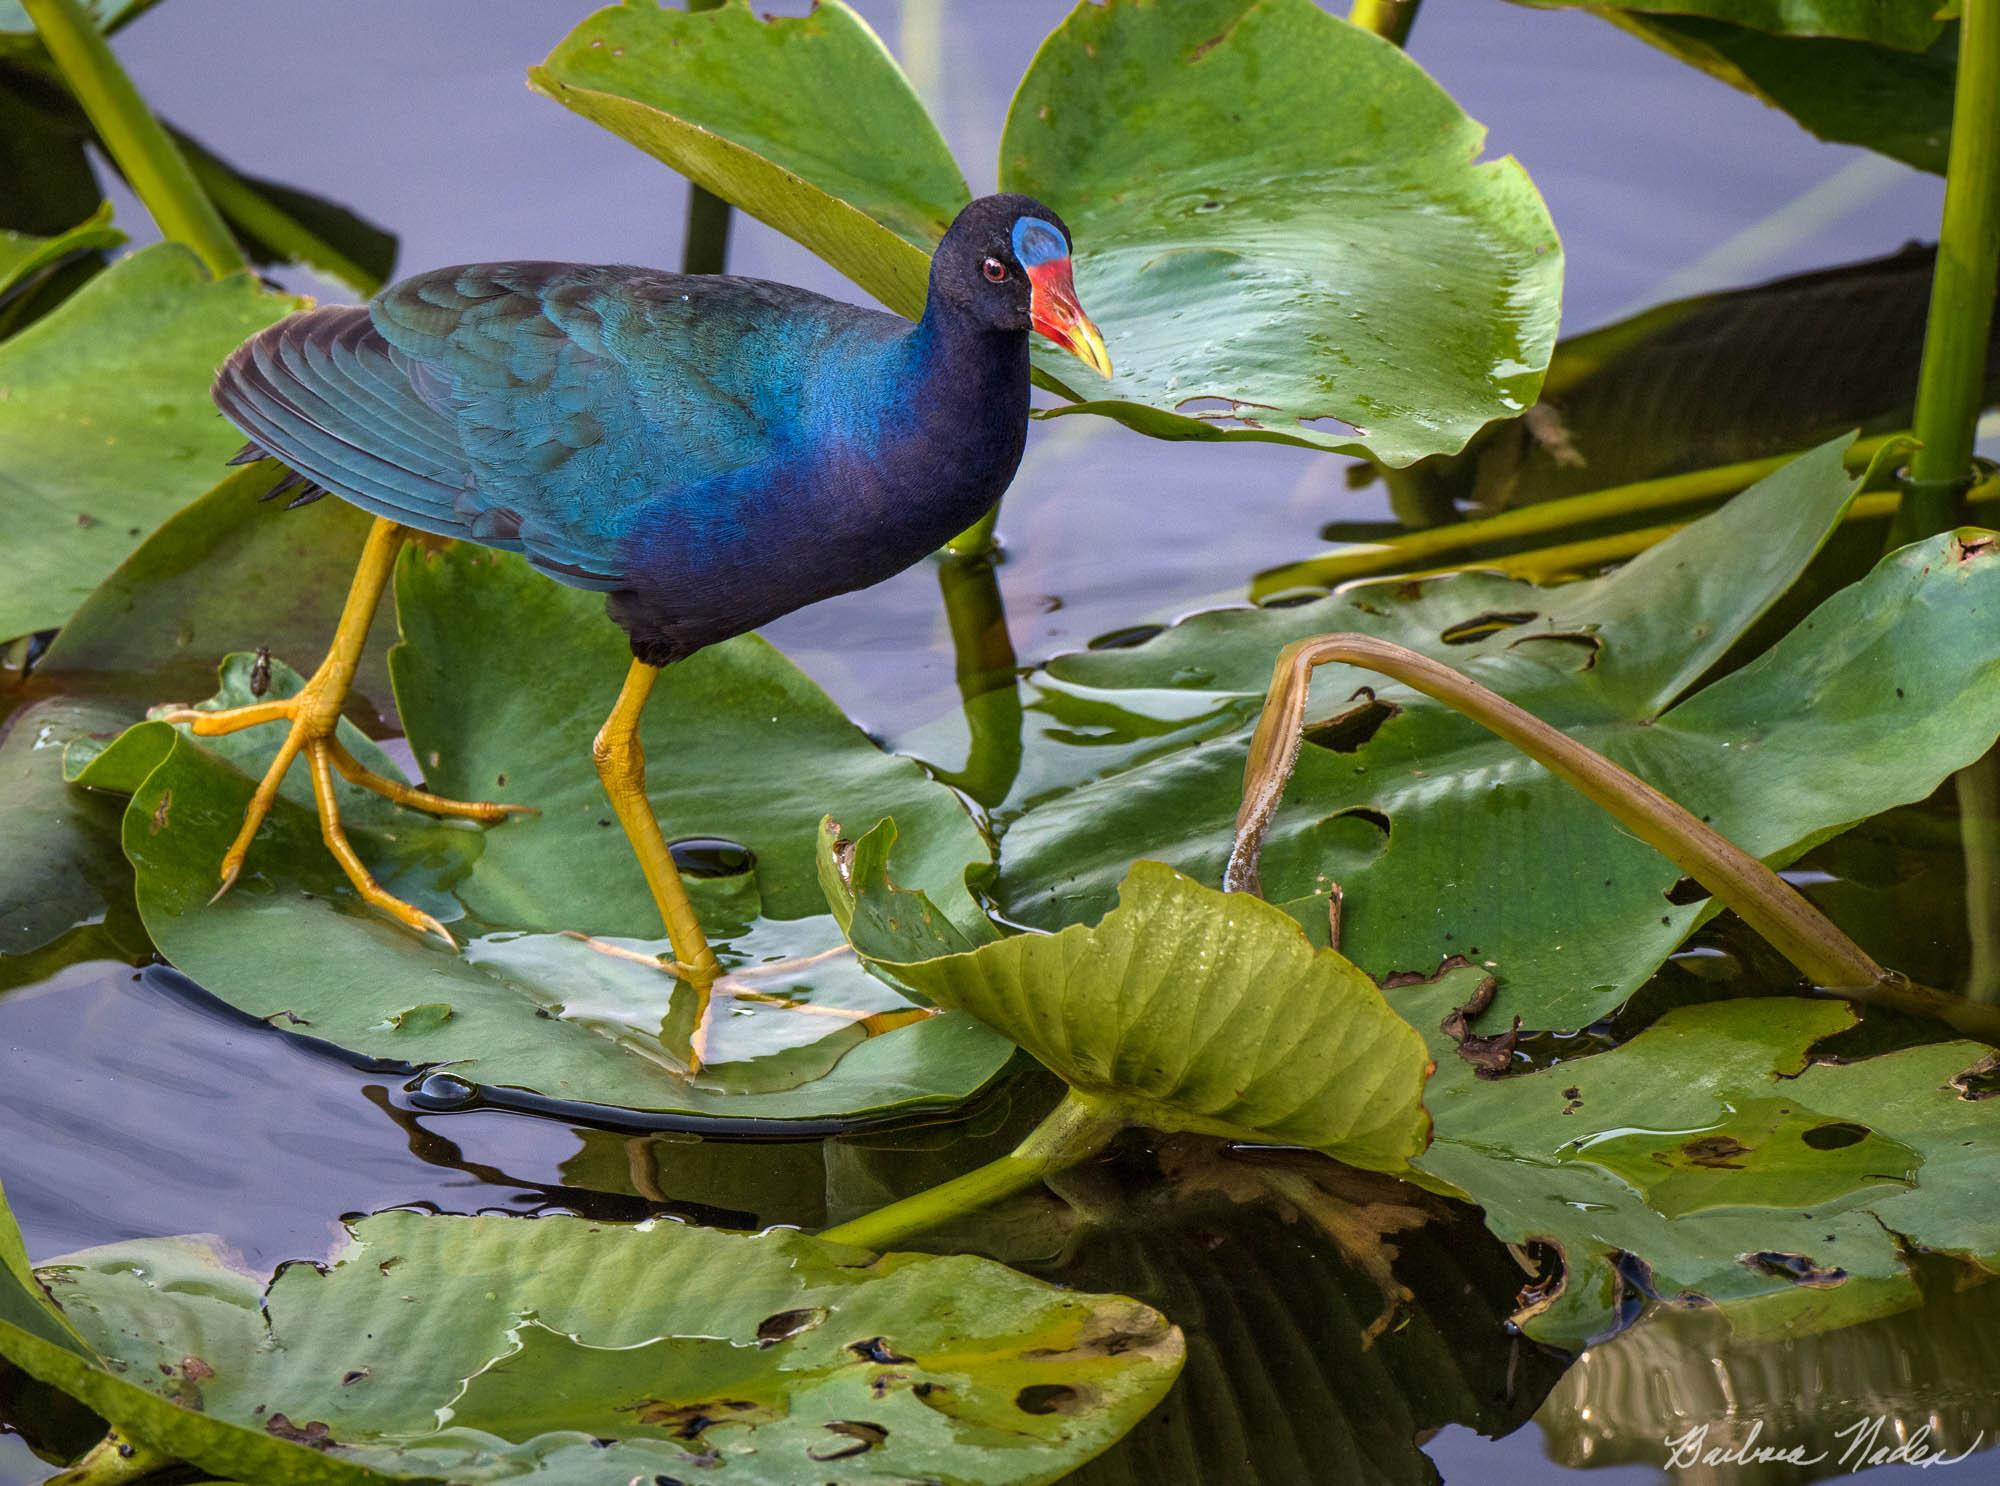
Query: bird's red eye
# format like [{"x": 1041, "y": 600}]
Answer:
[{"x": 995, "y": 270}]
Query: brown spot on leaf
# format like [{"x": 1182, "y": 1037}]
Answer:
[
  {"x": 1981, "y": 1080},
  {"x": 160, "y": 809},
  {"x": 1491, "y": 1055},
  {"x": 1797, "y": 1268},
  {"x": 686, "y": 1421},
  {"x": 311, "y": 1433},
  {"x": 1717, "y": 1152}
]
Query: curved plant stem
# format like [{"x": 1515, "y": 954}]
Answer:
[
  {"x": 1389, "y": 19},
  {"x": 1420, "y": 550},
  {"x": 112, "y": 1461},
  {"x": 977, "y": 539},
  {"x": 157, "y": 171},
  {"x": 1952, "y": 383},
  {"x": 1759, "y": 896},
  {"x": 1075, "y": 1130},
  {"x": 261, "y": 216}
]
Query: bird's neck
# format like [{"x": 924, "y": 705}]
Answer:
[{"x": 968, "y": 390}]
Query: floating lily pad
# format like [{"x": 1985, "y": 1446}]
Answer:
[
  {"x": 1342, "y": 278},
  {"x": 480, "y": 1349},
  {"x": 1184, "y": 1008},
  {"x": 1906, "y": 25},
  {"x": 1707, "y": 1160},
  {"x": 1445, "y": 839},
  {"x": 109, "y": 428},
  {"x": 502, "y": 680}
]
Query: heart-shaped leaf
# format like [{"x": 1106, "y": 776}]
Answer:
[
  {"x": 805, "y": 122},
  {"x": 1340, "y": 278},
  {"x": 1183, "y": 1009},
  {"x": 1708, "y": 1159},
  {"x": 1446, "y": 840},
  {"x": 480, "y": 1349},
  {"x": 109, "y": 427},
  {"x": 501, "y": 681}
]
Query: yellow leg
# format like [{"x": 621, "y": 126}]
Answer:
[
  {"x": 621, "y": 765},
  {"x": 313, "y": 715}
]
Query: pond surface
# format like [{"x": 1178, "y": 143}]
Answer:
[{"x": 130, "y": 1106}]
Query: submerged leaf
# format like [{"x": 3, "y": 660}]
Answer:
[
  {"x": 1445, "y": 840},
  {"x": 1709, "y": 1160},
  {"x": 1185, "y": 1009},
  {"x": 107, "y": 427},
  {"x": 479, "y": 1349}
]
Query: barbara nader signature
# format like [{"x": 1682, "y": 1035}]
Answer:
[{"x": 1866, "y": 1443}]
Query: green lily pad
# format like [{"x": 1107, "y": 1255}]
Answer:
[
  {"x": 1733, "y": 1170},
  {"x": 1344, "y": 278},
  {"x": 109, "y": 427},
  {"x": 742, "y": 103},
  {"x": 1446, "y": 840},
  {"x": 1878, "y": 75},
  {"x": 22, "y": 255},
  {"x": 481, "y": 1349},
  {"x": 502, "y": 678},
  {"x": 1185, "y": 1008}
]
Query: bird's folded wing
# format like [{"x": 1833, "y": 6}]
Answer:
[{"x": 507, "y": 404}]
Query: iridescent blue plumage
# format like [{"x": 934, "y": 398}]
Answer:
[{"x": 709, "y": 451}]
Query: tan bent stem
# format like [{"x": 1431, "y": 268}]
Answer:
[{"x": 1760, "y": 897}]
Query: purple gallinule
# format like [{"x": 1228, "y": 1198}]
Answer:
[{"x": 709, "y": 452}]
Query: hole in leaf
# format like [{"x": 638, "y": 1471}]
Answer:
[
  {"x": 1050, "y": 1398},
  {"x": 1590, "y": 643},
  {"x": 1480, "y": 626},
  {"x": 776, "y": 1328},
  {"x": 1368, "y": 813},
  {"x": 861, "y": 1437},
  {"x": 1352, "y": 730},
  {"x": 712, "y": 856},
  {"x": 1835, "y": 1134},
  {"x": 1687, "y": 891},
  {"x": 1125, "y": 639},
  {"x": 876, "y": 1349}
]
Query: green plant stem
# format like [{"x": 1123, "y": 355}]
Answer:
[
  {"x": 263, "y": 217},
  {"x": 1075, "y": 1130},
  {"x": 112, "y": 1461},
  {"x": 977, "y": 539},
  {"x": 1978, "y": 788},
  {"x": 988, "y": 673},
  {"x": 1389, "y": 19},
  {"x": 1422, "y": 549},
  {"x": 1952, "y": 382},
  {"x": 157, "y": 171},
  {"x": 705, "y": 244}
]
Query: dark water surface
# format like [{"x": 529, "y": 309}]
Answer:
[{"x": 128, "y": 1108}]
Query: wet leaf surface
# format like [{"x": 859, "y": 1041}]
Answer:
[
  {"x": 1878, "y": 695},
  {"x": 1709, "y": 1160},
  {"x": 1185, "y": 1008},
  {"x": 109, "y": 428},
  {"x": 1346, "y": 279},
  {"x": 484, "y": 1348},
  {"x": 742, "y": 746}
]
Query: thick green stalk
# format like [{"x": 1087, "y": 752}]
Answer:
[
  {"x": 705, "y": 245},
  {"x": 977, "y": 539},
  {"x": 158, "y": 173},
  {"x": 1952, "y": 382},
  {"x": 988, "y": 673},
  {"x": 1075, "y": 1130},
  {"x": 1423, "y": 549},
  {"x": 265, "y": 219},
  {"x": 1389, "y": 19}
]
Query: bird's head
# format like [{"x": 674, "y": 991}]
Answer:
[{"x": 1005, "y": 261}]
